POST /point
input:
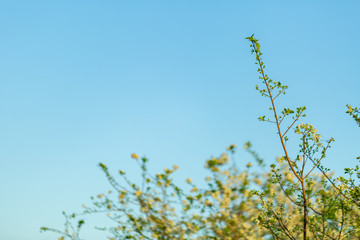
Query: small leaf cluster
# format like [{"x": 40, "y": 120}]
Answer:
[{"x": 354, "y": 113}]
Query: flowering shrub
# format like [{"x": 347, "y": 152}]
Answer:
[{"x": 294, "y": 198}]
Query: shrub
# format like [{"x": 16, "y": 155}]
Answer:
[{"x": 294, "y": 198}]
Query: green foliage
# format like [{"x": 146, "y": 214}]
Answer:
[
  {"x": 295, "y": 198},
  {"x": 354, "y": 112}
]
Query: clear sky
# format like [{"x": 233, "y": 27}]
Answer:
[{"x": 83, "y": 82}]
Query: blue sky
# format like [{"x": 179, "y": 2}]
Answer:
[{"x": 83, "y": 82}]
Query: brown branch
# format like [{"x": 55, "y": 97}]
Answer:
[
  {"x": 278, "y": 94},
  {"x": 292, "y": 124},
  {"x": 282, "y": 225},
  {"x": 264, "y": 77},
  {"x": 318, "y": 162}
]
